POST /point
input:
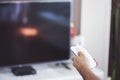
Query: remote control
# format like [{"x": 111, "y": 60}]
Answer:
[{"x": 77, "y": 48}]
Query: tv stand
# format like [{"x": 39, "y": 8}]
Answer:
[
  {"x": 65, "y": 65},
  {"x": 24, "y": 70},
  {"x": 48, "y": 71}
]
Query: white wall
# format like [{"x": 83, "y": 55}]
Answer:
[
  {"x": 95, "y": 28},
  {"x": 76, "y": 14}
]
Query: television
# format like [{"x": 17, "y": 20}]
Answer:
[{"x": 34, "y": 32}]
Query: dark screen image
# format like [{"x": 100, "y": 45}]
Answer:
[{"x": 34, "y": 32}]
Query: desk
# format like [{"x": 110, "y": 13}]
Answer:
[{"x": 46, "y": 72}]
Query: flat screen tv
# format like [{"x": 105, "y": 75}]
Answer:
[{"x": 34, "y": 32}]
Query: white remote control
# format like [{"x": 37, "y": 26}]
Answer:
[{"x": 77, "y": 48}]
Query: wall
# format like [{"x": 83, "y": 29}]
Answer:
[
  {"x": 76, "y": 14},
  {"x": 95, "y": 28}
]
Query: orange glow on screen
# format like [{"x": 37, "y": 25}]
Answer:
[{"x": 29, "y": 31}]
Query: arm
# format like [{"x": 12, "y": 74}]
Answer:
[{"x": 81, "y": 63}]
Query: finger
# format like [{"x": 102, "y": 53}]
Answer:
[
  {"x": 78, "y": 58},
  {"x": 73, "y": 58},
  {"x": 79, "y": 53},
  {"x": 75, "y": 64},
  {"x": 73, "y": 61}
]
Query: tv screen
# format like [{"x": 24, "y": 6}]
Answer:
[{"x": 34, "y": 32}]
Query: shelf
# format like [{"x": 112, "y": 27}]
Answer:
[{"x": 48, "y": 72}]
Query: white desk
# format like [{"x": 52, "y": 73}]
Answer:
[{"x": 46, "y": 72}]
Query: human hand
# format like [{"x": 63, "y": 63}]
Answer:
[{"x": 80, "y": 62}]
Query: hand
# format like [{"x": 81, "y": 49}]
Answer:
[{"x": 80, "y": 62}]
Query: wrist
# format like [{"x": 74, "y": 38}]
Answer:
[
  {"x": 87, "y": 74},
  {"x": 83, "y": 70}
]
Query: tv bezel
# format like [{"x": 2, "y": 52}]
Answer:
[{"x": 44, "y": 1}]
